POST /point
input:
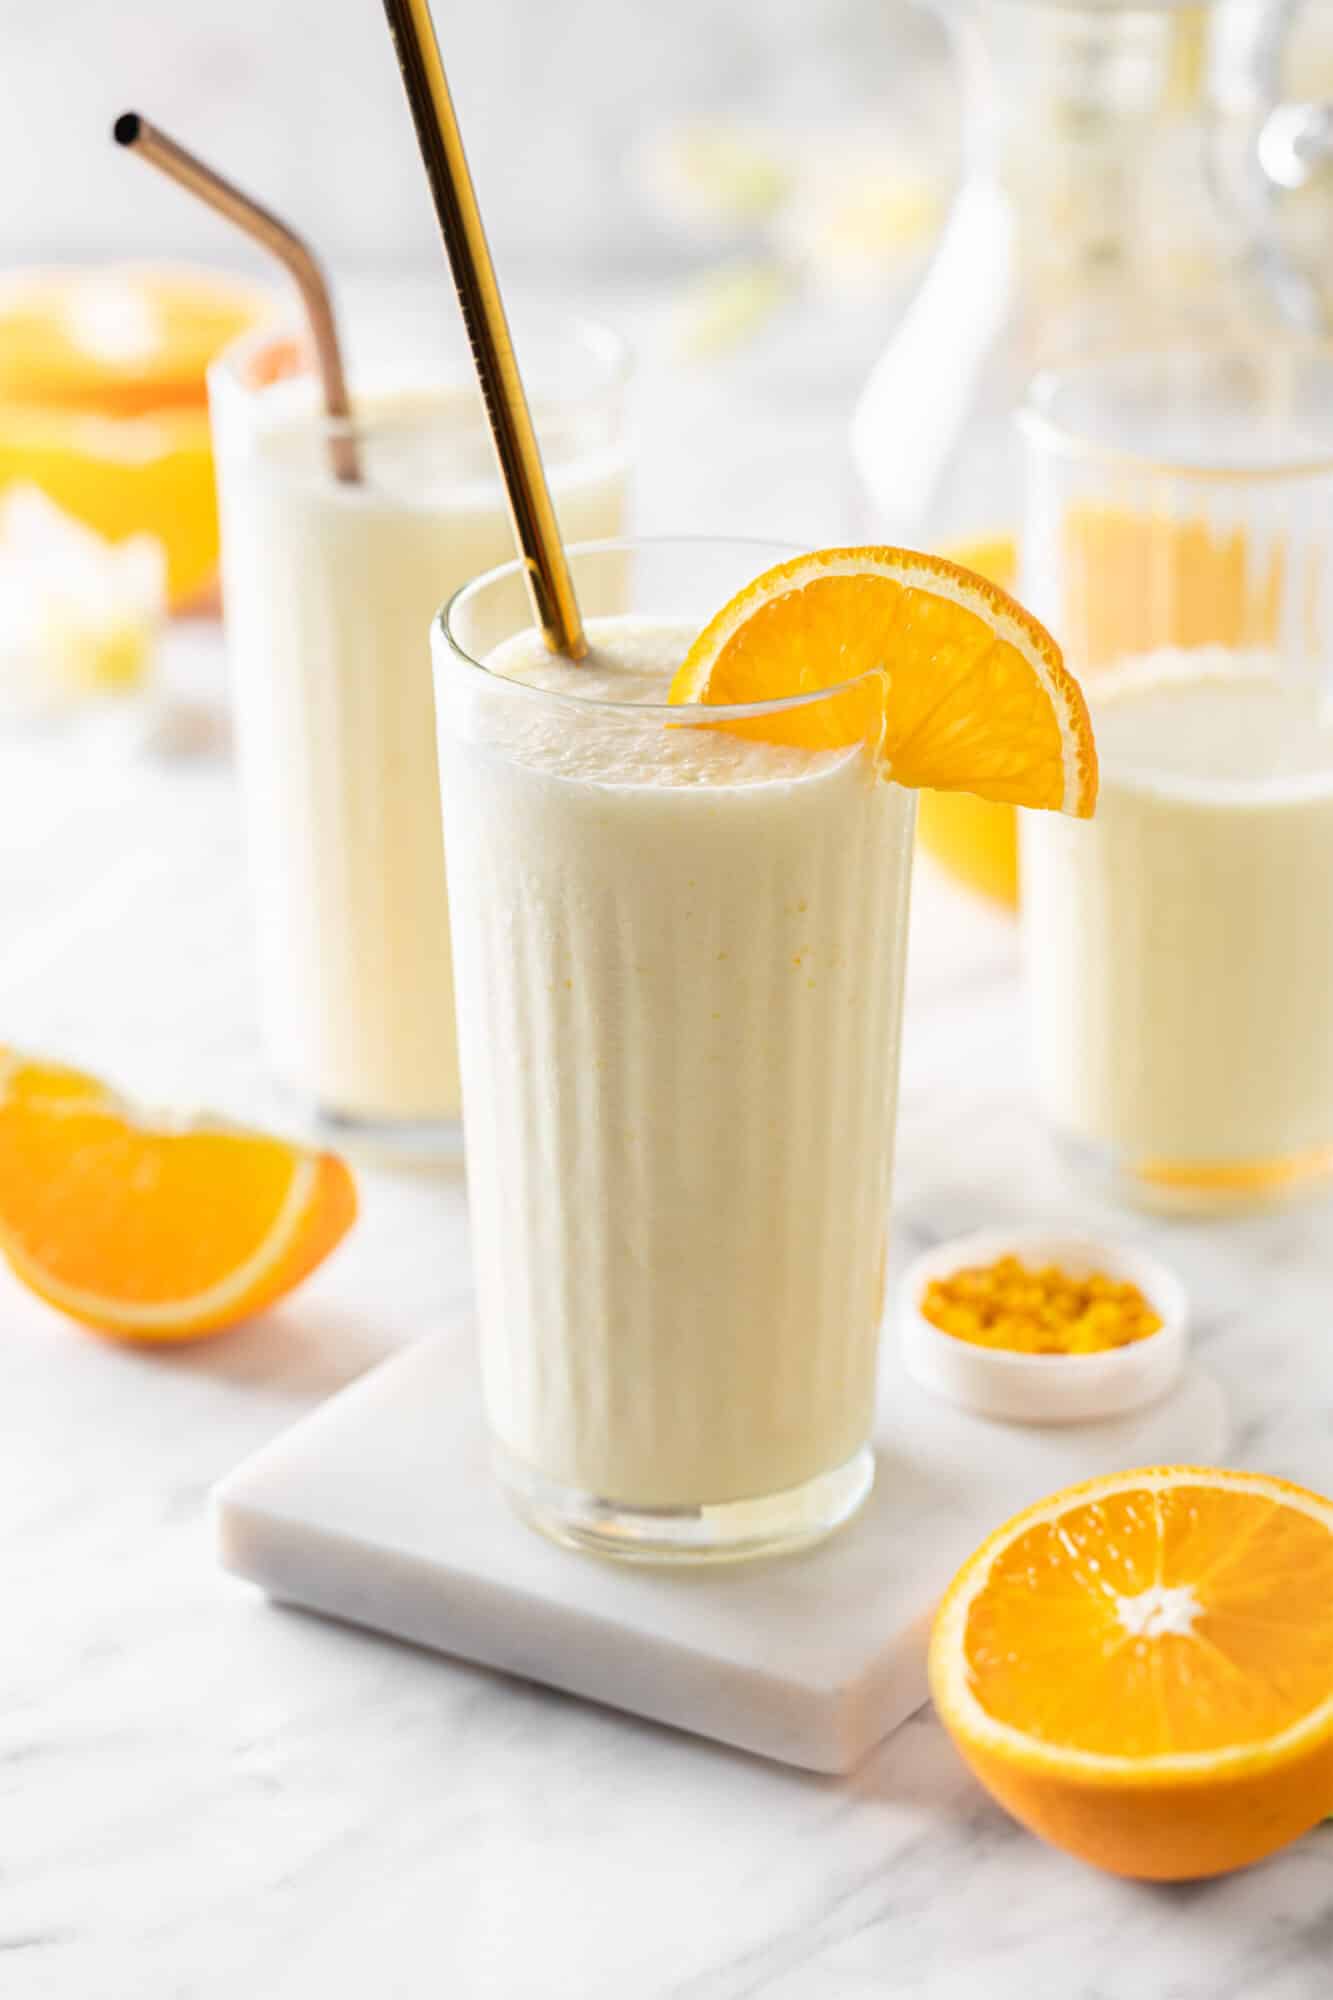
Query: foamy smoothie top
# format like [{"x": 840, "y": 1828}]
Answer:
[
  {"x": 593, "y": 733},
  {"x": 1212, "y": 723},
  {"x": 422, "y": 445}
]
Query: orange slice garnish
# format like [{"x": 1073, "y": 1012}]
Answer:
[
  {"x": 1141, "y": 1668},
  {"x": 957, "y": 686},
  {"x": 154, "y": 1231}
]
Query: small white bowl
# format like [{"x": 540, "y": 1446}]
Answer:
[{"x": 1045, "y": 1388}]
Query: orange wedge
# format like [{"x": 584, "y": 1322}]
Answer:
[
  {"x": 1141, "y": 1668},
  {"x": 149, "y": 1231},
  {"x": 957, "y": 686}
]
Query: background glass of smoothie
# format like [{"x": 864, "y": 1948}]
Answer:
[
  {"x": 330, "y": 589},
  {"x": 679, "y": 961},
  {"x": 1180, "y": 945}
]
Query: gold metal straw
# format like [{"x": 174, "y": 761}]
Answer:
[
  {"x": 549, "y": 582},
  {"x": 290, "y": 250}
]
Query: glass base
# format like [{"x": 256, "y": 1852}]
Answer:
[
  {"x": 731, "y": 1531},
  {"x": 406, "y": 1142},
  {"x": 1200, "y": 1188},
  {"x": 387, "y": 1142}
]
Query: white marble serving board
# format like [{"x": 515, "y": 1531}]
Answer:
[{"x": 379, "y": 1508}]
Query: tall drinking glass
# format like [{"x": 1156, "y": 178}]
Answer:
[
  {"x": 679, "y": 960},
  {"x": 1179, "y": 946},
  {"x": 330, "y": 589}
]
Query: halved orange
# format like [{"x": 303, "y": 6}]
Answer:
[
  {"x": 151, "y": 1230},
  {"x": 957, "y": 686},
  {"x": 1141, "y": 1668}
]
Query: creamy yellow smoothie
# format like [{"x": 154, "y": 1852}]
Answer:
[
  {"x": 679, "y": 962},
  {"x": 1180, "y": 945},
  {"x": 330, "y": 589}
]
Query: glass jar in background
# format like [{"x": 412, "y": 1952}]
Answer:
[
  {"x": 330, "y": 588},
  {"x": 108, "y": 517},
  {"x": 104, "y": 403},
  {"x": 1111, "y": 191},
  {"x": 1179, "y": 947}
]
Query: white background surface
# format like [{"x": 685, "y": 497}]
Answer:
[
  {"x": 206, "y": 1797},
  {"x": 301, "y": 101},
  {"x": 380, "y": 1508}
]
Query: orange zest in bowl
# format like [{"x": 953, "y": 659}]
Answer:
[{"x": 1023, "y": 1309}]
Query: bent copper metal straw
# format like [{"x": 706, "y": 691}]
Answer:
[
  {"x": 550, "y": 585},
  {"x": 291, "y": 250}
]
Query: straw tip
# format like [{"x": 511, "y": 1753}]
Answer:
[{"x": 125, "y": 131}]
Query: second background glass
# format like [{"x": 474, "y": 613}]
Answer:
[
  {"x": 1179, "y": 540},
  {"x": 330, "y": 588}
]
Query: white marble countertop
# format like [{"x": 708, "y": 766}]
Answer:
[{"x": 207, "y": 1796}]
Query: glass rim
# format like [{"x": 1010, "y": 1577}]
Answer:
[
  {"x": 442, "y": 624},
  {"x": 612, "y": 353},
  {"x": 1059, "y": 437}
]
